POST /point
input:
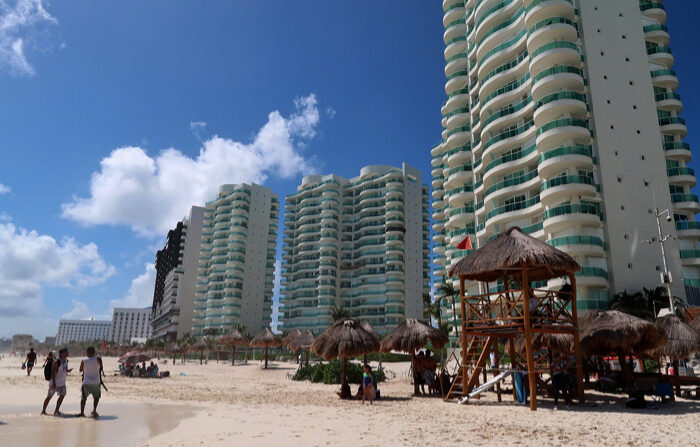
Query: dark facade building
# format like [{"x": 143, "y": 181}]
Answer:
[{"x": 167, "y": 259}]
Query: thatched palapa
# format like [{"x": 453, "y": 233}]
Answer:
[
  {"x": 683, "y": 340},
  {"x": 505, "y": 254},
  {"x": 695, "y": 324},
  {"x": 555, "y": 342},
  {"x": 303, "y": 342},
  {"x": 233, "y": 338},
  {"x": 289, "y": 338},
  {"x": 611, "y": 331},
  {"x": 265, "y": 339},
  {"x": 411, "y": 335},
  {"x": 200, "y": 346}
]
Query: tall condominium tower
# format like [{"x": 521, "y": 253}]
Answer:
[
  {"x": 237, "y": 260},
  {"x": 360, "y": 243},
  {"x": 176, "y": 275},
  {"x": 561, "y": 118}
]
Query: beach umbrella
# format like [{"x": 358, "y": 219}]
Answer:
[
  {"x": 613, "y": 332},
  {"x": 410, "y": 336},
  {"x": 131, "y": 358},
  {"x": 289, "y": 338},
  {"x": 265, "y": 339},
  {"x": 303, "y": 341},
  {"x": 561, "y": 343},
  {"x": 173, "y": 348},
  {"x": 345, "y": 338},
  {"x": 233, "y": 338},
  {"x": 200, "y": 346},
  {"x": 683, "y": 340}
]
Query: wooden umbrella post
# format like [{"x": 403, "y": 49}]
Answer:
[
  {"x": 497, "y": 369},
  {"x": 577, "y": 346},
  {"x": 344, "y": 379},
  {"x": 528, "y": 341},
  {"x": 233, "y": 355},
  {"x": 265, "y": 357},
  {"x": 416, "y": 389},
  {"x": 464, "y": 337},
  {"x": 511, "y": 351}
]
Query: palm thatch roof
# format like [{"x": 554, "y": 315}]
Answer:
[
  {"x": 173, "y": 347},
  {"x": 561, "y": 343},
  {"x": 368, "y": 327},
  {"x": 504, "y": 254},
  {"x": 233, "y": 338},
  {"x": 411, "y": 335},
  {"x": 345, "y": 338},
  {"x": 200, "y": 345},
  {"x": 695, "y": 324},
  {"x": 683, "y": 340},
  {"x": 266, "y": 338},
  {"x": 606, "y": 332},
  {"x": 302, "y": 341},
  {"x": 291, "y": 336}
]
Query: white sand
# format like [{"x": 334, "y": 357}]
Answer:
[{"x": 247, "y": 405}]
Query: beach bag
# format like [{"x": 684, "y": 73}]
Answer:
[
  {"x": 24, "y": 365},
  {"x": 47, "y": 369}
]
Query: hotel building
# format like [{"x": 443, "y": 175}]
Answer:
[
  {"x": 82, "y": 330},
  {"x": 129, "y": 323},
  {"x": 561, "y": 117},
  {"x": 237, "y": 260},
  {"x": 360, "y": 243},
  {"x": 176, "y": 274}
]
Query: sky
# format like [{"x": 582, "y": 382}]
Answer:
[{"x": 116, "y": 117}]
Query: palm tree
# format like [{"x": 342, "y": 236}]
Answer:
[
  {"x": 338, "y": 312},
  {"x": 432, "y": 308},
  {"x": 633, "y": 304},
  {"x": 657, "y": 298},
  {"x": 449, "y": 291}
]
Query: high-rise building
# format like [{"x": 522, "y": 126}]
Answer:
[
  {"x": 237, "y": 260},
  {"x": 82, "y": 330},
  {"x": 176, "y": 274},
  {"x": 129, "y": 323},
  {"x": 562, "y": 118},
  {"x": 360, "y": 243}
]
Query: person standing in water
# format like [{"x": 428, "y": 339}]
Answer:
[{"x": 90, "y": 367}]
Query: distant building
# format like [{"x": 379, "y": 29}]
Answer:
[
  {"x": 5, "y": 344},
  {"x": 176, "y": 275},
  {"x": 22, "y": 342},
  {"x": 237, "y": 260},
  {"x": 128, "y": 323},
  {"x": 50, "y": 341},
  {"x": 82, "y": 330}
]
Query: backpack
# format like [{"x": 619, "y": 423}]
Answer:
[{"x": 47, "y": 369}]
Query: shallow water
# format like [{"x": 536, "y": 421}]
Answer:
[{"x": 118, "y": 425}]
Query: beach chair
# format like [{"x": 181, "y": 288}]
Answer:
[{"x": 663, "y": 392}]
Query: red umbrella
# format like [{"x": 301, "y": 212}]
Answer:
[{"x": 134, "y": 357}]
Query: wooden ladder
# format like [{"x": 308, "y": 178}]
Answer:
[{"x": 476, "y": 347}]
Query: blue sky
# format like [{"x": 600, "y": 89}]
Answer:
[{"x": 336, "y": 85}]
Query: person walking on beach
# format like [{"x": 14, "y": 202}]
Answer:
[
  {"x": 560, "y": 380},
  {"x": 367, "y": 385},
  {"x": 57, "y": 384},
  {"x": 90, "y": 367},
  {"x": 31, "y": 359}
]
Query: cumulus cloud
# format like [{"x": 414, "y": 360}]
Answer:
[
  {"x": 197, "y": 127},
  {"x": 151, "y": 193},
  {"x": 20, "y": 21},
  {"x": 4, "y": 189},
  {"x": 141, "y": 291},
  {"x": 29, "y": 261}
]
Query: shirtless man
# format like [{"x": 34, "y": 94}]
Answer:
[{"x": 31, "y": 359}]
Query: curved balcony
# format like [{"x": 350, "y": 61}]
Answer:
[
  {"x": 461, "y": 195},
  {"x": 688, "y": 228},
  {"x": 554, "y": 79},
  {"x": 452, "y": 13},
  {"x": 510, "y": 211},
  {"x": 458, "y": 176},
  {"x": 458, "y": 156},
  {"x": 539, "y": 10},
  {"x": 458, "y": 62},
  {"x": 459, "y": 136},
  {"x": 664, "y": 78},
  {"x": 654, "y": 11},
  {"x": 669, "y": 101},
  {"x": 501, "y": 141},
  {"x": 660, "y": 55},
  {"x": 456, "y": 81},
  {"x": 579, "y": 245},
  {"x": 556, "y": 132},
  {"x": 677, "y": 150},
  {"x": 555, "y": 160},
  {"x": 681, "y": 176},
  {"x": 592, "y": 277},
  {"x": 560, "y": 217},
  {"x": 501, "y": 53},
  {"x": 508, "y": 93},
  {"x": 486, "y": 19},
  {"x": 455, "y": 28},
  {"x": 459, "y": 217},
  {"x": 515, "y": 67},
  {"x": 434, "y": 151},
  {"x": 560, "y": 53},
  {"x": 549, "y": 30},
  {"x": 502, "y": 31},
  {"x": 456, "y": 99},
  {"x": 559, "y": 188},
  {"x": 512, "y": 185},
  {"x": 455, "y": 46},
  {"x": 458, "y": 117},
  {"x": 557, "y": 104},
  {"x": 690, "y": 257},
  {"x": 510, "y": 113},
  {"x": 437, "y": 182},
  {"x": 657, "y": 33},
  {"x": 673, "y": 125},
  {"x": 510, "y": 162}
]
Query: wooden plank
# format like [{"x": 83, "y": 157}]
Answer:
[
  {"x": 479, "y": 364},
  {"x": 464, "y": 326}
]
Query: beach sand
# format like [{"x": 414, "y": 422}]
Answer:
[{"x": 220, "y": 404}]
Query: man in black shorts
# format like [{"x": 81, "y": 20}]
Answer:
[{"x": 31, "y": 359}]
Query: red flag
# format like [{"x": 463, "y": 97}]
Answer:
[
  {"x": 466, "y": 244},
  {"x": 104, "y": 344}
]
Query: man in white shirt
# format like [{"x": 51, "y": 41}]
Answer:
[
  {"x": 57, "y": 384},
  {"x": 91, "y": 367}
]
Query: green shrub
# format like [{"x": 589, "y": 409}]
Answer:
[
  {"x": 317, "y": 373},
  {"x": 330, "y": 373}
]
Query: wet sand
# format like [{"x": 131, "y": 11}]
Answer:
[{"x": 119, "y": 424}]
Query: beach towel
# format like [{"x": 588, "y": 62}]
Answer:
[{"x": 519, "y": 388}]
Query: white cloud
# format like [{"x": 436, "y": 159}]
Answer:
[
  {"x": 18, "y": 22},
  {"x": 150, "y": 194},
  {"x": 4, "y": 189},
  {"x": 29, "y": 261},
  {"x": 197, "y": 127},
  {"x": 141, "y": 291},
  {"x": 330, "y": 111}
]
